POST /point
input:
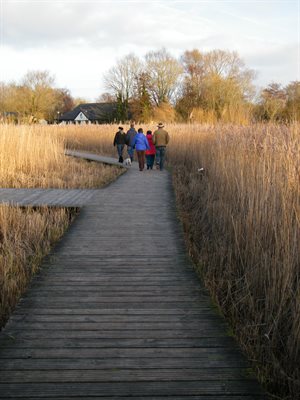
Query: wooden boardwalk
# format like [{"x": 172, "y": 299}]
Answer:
[
  {"x": 118, "y": 312},
  {"x": 46, "y": 197}
]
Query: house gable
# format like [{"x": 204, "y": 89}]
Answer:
[
  {"x": 81, "y": 117},
  {"x": 91, "y": 112}
]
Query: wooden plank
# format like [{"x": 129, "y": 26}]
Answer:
[
  {"x": 204, "y": 342},
  {"x": 125, "y": 375},
  {"x": 24, "y": 364},
  {"x": 58, "y": 290},
  {"x": 206, "y": 315},
  {"x": 182, "y": 397},
  {"x": 95, "y": 157},
  {"x": 209, "y": 353},
  {"x": 47, "y": 197},
  {"x": 130, "y": 389},
  {"x": 120, "y": 334},
  {"x": 111, "y": 312}
]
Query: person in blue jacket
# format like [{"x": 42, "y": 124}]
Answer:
[{"x": 140, "y": 143}]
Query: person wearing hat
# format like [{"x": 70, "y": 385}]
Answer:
[
  {"x": 160, "y": 139},
  {"x": 120, "y": 141}
]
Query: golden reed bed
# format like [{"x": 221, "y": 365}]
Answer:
[{"x": 242, "y": 223}]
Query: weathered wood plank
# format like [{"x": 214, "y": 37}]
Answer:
[
  {"x": 24, "y": 364},
  {"x": 157, "y": 388},
  {"x": 46, "y": 197},
  {"x": 115, "y": 318},
  {"x": 120, "y": 334},
  {"x": 205, "y": 342},
  {"x": 210, "y": 353},
  {"x": 94, "y": 157},
  {"x": 123, "y": 375},
  {"x": 182, "y": 397},
  {"x": 107, "y": 311}
]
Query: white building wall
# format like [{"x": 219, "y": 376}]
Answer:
[{"x": 81, "y": 117}]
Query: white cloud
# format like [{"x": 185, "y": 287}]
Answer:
[
  {"x": 276, "y": 64},
  {"x": 81, "y": 72}
]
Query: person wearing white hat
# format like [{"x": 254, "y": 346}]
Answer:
[{"x": 160, "y": 139}]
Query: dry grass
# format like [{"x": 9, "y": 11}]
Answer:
[
  {"x": 93, "y": 138},
  {"x": 242, "y": 222},
  {"x": 33, "y": 156}
]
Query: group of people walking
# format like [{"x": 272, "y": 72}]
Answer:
[{"x": 149, "y": 146}]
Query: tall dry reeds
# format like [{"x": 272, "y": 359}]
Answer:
[
  {"x": 93, "y": 138},
  {"x": 33, "y": 156},
  {"x": 242, "y": 219}
]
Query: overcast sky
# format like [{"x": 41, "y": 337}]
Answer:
[{"x": 77, "y": 41}]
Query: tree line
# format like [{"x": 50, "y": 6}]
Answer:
[
  {"x": 34, "y": 98},
  {"x": 198, "y": 87}
]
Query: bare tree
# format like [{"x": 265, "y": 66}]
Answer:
[
  {"x": 35, "y": 80},
  {"x": 120, "y": 80},
  {"x": 163, "y": 72},
  {"x": 106, "y": 98}
]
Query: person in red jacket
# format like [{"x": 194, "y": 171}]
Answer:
[{"x": 150, "y": 154}]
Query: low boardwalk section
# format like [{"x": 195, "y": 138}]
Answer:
[
  {"x": 94, "y": 157},
  {"x": 117, "y": 311},
  {"x": 46, "y": 197}
]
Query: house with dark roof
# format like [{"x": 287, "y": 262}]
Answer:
[{"x": 95, "y": 113}]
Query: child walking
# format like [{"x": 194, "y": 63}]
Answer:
[{"x": 150, "y": 154}]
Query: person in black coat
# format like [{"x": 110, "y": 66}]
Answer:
[{"x": 120, "y": 141}]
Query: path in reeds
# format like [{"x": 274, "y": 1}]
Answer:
[{"x": 118, "y": 312}]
